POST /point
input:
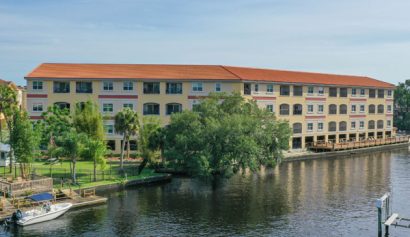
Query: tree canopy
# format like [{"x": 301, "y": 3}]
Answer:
[{"x": 402, "y": 106}]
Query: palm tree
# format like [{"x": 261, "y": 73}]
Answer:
[{"x": 126, "y": 123}]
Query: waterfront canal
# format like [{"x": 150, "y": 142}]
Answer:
[{"x": 327, "y": 197}]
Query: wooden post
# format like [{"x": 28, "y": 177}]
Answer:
[{"x": 379, "y": 222}]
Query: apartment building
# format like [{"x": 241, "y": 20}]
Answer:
[{"x": 319, "y": 107}]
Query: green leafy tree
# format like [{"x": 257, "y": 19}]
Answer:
[
  {"x": 88, "y": 119},
  {"x": 127, "y": 124},
  {"x": 95, "y": 150},
  {"x": 225, "y": 134},
  {"x": 402, "y": 106},
  {"x": 148, "y": 142}
]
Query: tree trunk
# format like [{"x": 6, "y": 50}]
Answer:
[
  {"x": 74, "y": 173},
  {"x": 22, "y": 173},
  {"x": 142, "y": 165},
  {"x": 128, "y": 149},
  {"x": 95, "y": 170},
  {"x": 122, "y": 152},
  {"x": 11, "y": 160}
]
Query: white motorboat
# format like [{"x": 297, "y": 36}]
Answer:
[{"x": 41, "y": 214}]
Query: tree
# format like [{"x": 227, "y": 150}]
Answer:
[
  {"x": 225, "y": 134},
  {"x": 402, "y": 106},
  {"x": 88, "y": 119},
  {"x": 95, "y": 150},
  {"x": 148, "y": 142},
  {"x": 24, "y": 139},
  {"x": 127, "y": 124}
]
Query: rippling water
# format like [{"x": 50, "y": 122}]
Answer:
[{"x": 327, "y": 197}]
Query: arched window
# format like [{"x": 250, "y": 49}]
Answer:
[
  {"x": 332, "y": 126},
  {"x": 371, "y": 124},
  {"x": 372, "y": 109},
  {"x": 343, "y": 109},
  {"x": 151, "y": 109},
  {"x": 342, "y": 126},
  {"x": 380, "y": 124},
  {"x": 284, "y": 109},
  {"x": 62, "y": 105},
  {"x": 173, "y": 108},
  {"x": 380, "y": 109},
  {"x": 297, "y": 128},
  {"x": 297, "y": 109},
  {"x": 332, "y": 109}
]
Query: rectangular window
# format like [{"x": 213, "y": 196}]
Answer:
[
  {"x": 197, "y": 87},
  {"x": 389, "y": 93},
  {"x": 174, "y": 88},
  {"x": 311, "y": 90},
  {"x": 362, "y": 108},
  {"x": 353, "y": 109},
  {"x": 83, "y": 87},
  {"x": 151, "y": 88},
  {"x": 247, "y": 88},
  {"x": 321, "y": 91},
  {"x": 353, "y": 91},
  {"x": 108, "y": 108},
  {"x": 151, "y": 109},
  {"x": 37, "y": 85},
  {"x": 353, "y": 125},
  {"x": 380, "y": 93},
  {"x": 128, "y": 86},
  {"x": 320, "y": 109},
  {"x": 310, "y": 126},
  {"x": 269, "y": 108},
  {"x": 361, "y": 125},
  {"x": 109, "y": 129},
  {"x": 343, "y": 92},
  {"x": 362, "y": 92},
  {"x": 108, "y": 86},
  {"x": 37, "y": 107},
  {"x": 372, "y": 93},
  {"x": 256, "y": 88},
  {"x": 389, "y": 108},
  {"x": 388, "y": 123},
  {"x": 297, "y": 90},
  {"x": 320, "y": 126},
  {"x": 332, "y": 92},
  {"x": 173, "y": 108},
  {"x": 128, "y": 105},
  {"x": 310, "y": 109},
  {"x": 218, "y": 87},
  {"x": 284, "y": 90},
  {"x": 269, "y": 88},
  {"x": 61, "y": 87}
]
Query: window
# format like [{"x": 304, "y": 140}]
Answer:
[
  {"x": 83, "y": 87},
  {"x": 362, "y": 92},
  {"x": 37, "y": 85},
  {"x": 297, "y": 90},
  {"x": 332, "y": 109},
  {"x": 176, "y": 88},
  {"x": 108, "y": 86},
  {"x": 379, "y": 124},
  {"x": 108, "y": 107},
  {"x": 247, "y": 88},
  {"x": 173, "y": 108},
  {"x": 111, "y": 145},
  {"x": 320, "y": 126},
  {"x": 332, "y": 126},
  {"x": 128, "y": 105},
  {"x": 388, "y": 123},
  {"x": 380, "y": 93},
  {"x": 284, "y": 90},
  {"x": 217, "y": 87},
  {"x": 388, "y": 108},
  {"x": 109, "y": 128},
  {"x": 353, "y": 110},
  {"x": 353, "y": 125},
  {"x": 342, "y": 126},
  {"x": 380, "y": 109},
  {"x": 151, "y": 88},
  {"x": 361, "y": 125},
  {"x": 61, "y": 87},
  {"x": 371, "y": 124},
  {"x": 321, "y": 91},
  {"x": 343, "y": 92},
  {"x": 389, "y": 93},
  {"x": 372, "y": 109},
  {"x": 320, "y": 109},
  {"x": 197, "y": 86},
  {"x": 62, "y": 105},
  {"x": 362, "y": 108},
  {"x": 310, "y": 126},
  {"x": 37, "y": 107},
  {"x": 297, "y": 128},
  {"x": 151, "y": 109},
  {"x": 256, "y": 87},
  {"x": 128, "y": 86},
  {"x": 311, "y": 90},
  {"x": 372, "y": 93},
  {"x": 310, "y": 109},
  {"x": 269, "y": 88},
  {"x": 269, "y": 108},
  {"x": 297, "y": 109},
  {"x": 284, "y": 109},
  {"x": 343, "y": 109},
  {"x": 332, "y": 92},
  {"x": 353, "y": 91},
  {"x": 195, "y": 107}
]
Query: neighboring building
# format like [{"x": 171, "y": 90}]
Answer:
[
  {"x": 319, "y": 107},
  {"x": 19, "y": 91}
]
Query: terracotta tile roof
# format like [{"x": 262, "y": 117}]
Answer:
[{"x": 199, "y": 72}]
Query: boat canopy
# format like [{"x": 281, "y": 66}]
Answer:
[{"x": 41, "y": 197}]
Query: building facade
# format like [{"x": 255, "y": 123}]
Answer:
[{"x": 319, "y": 107}]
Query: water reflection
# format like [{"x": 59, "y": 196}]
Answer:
[{"x": 328, "y": 197}]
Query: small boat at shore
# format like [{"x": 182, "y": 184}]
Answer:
[{"x": 45, "y": 213}]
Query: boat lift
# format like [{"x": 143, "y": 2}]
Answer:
[{"x": 387, "y": 218}]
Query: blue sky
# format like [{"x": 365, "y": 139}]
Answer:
[{"x": 359, "y": 37}]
